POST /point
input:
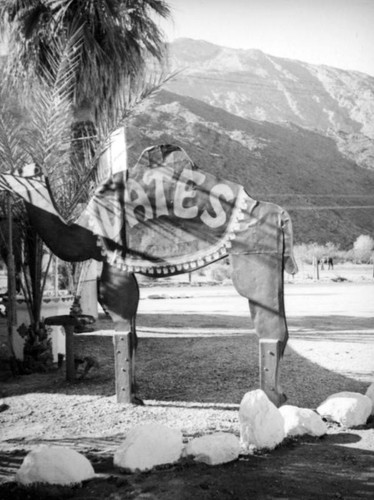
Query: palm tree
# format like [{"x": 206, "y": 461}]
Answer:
[
  {"x": 118, "y": 36},
  {"x": 40, "y": 130},
  {"x": 113, "y": 42},
  {"x": 117, "y": 39}
]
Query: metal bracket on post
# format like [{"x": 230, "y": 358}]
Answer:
[
  {"x": 269, "y": 366},
  {"x": 123, "y": 366}
]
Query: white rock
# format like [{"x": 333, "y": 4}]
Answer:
[
  {"x": 347, "y": 408},
  {"x": 54, "y": 465},
  {"x": 300, "y": 421},
  {"x": 261, "y": 423},
  {"x": 370, "y": 394},
  {"x": 148, "y": 445},
  {"x": 214, "y": 449}
]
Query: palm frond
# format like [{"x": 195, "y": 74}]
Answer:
[
  {"x": 12, "y": 155},
  {"x": 43, "y": 133},
  {"x": 12, "y": 133},
  {"x": 51, "y": 100},
  {"x": 132, "y": 97}
]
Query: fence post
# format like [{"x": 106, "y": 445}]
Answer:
[{"x": 315, "y": 268}]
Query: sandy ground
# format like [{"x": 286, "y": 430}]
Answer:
[
  {"x": 199, "y": 345},
  {"x": 330, "y": 323}
]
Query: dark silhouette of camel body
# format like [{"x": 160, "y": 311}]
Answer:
[{"x": 162, "y": 217}]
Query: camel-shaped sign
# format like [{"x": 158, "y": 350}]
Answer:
[{"x": 164, "y": 217}]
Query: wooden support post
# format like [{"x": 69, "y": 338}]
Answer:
[
  {"x": 69, "y": 346},
  {"x": 269, "y": 367},
  {"x": 123, "y": 366}
]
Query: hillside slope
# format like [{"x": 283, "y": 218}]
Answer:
[{"x": 299, "y": 169}]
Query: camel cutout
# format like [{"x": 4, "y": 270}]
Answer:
[{"x": 165, "y": 216}]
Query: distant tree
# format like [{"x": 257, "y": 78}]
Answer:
[
  {"x": 332, "y": 250},
  {"x": 307, "y": 252},
  {"x": 363, "y": 248}
]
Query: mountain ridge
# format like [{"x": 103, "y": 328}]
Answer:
[
  {"x": 195, "y": 47},
  {"x": 252, "y": 84}
]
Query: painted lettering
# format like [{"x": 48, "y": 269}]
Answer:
[
  {"x": 185, "y": 190},
  {"x": 135, "y": 198},
  {"x": 160, "y": 194},
  {"x": 219, "y": 217},
  {"x": 158, "y": 176}
]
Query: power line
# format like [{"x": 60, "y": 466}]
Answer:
[
  {"x": 337, "y": 207},
  {"x": 264, "y": 195}
]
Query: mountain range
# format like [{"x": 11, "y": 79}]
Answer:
[{"x": 292, "y": 133}]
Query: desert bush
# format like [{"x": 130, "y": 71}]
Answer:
[
  {"x": 363, "y": 249},
  {"x": 345, "y": 255},
  {"x": 220, "y": 271},
  {"x": 306, "y": 252}
]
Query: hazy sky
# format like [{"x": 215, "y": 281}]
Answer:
[{"x": 338, "y": 33}]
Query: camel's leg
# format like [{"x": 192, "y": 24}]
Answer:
[
  {"x": 119, "y": 293},
  {"x": 259, "y": 277}
]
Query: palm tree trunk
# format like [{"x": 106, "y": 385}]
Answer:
[
  {"x": 33, "y": 248},
  {"x": 11, "y": 307}
]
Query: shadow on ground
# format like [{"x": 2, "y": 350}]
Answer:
[{"x": 217, "y": 369}]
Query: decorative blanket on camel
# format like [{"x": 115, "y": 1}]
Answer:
[{"x": 173, "y": 217}]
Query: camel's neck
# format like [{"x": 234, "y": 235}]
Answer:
[{"x": 69, "y": 242}]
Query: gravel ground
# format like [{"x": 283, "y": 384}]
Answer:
[{"x": 192, "y": 375}]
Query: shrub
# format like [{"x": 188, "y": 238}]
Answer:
[
  {"x": 306, "y": 252},
  {"x": 363, "y": 248},
  {"x": 220, "y": 271}
]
